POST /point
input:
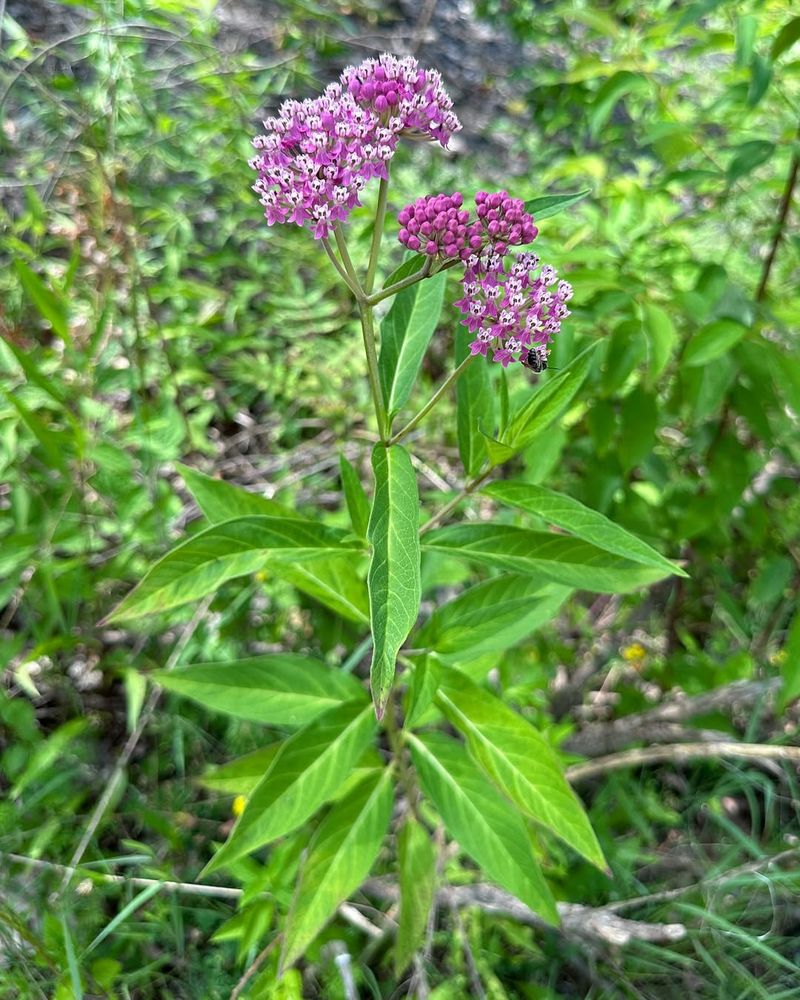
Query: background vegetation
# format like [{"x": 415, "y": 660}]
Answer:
[{"x": 149, "y": 317}]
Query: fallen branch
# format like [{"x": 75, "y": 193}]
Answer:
[
  {"x": 679, "y": 753},
  {"x": 665, "y": 895},
  {"x": 608, "y": 737},
  {"x": 585, "y": 922}
]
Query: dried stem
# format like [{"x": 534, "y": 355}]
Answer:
[
  {"x": 678, "y": 753},
  {"x": 783, "y": 213},
  {"x": 130, "y": 745}
]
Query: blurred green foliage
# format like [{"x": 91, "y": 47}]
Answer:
[{"x": 149, "y": 316}]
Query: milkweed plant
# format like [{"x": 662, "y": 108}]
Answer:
[{"x": 423, "y": 761}]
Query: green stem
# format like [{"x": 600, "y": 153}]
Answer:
[
  {"x": 400, "y": 754},
  {"x": 368, "y": 332},
  {"x": 450, "y": 380},
  {"x": 412, "y": 279},
  {"x": 341, "y": 271},
  {"x": 377, "y": 234},
  {"x": 452, "y": 504},
  {"x": 358, "y": 291}
]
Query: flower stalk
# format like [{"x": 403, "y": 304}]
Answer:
[{"x": 451, "y": 379}]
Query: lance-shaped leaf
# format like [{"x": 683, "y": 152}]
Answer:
[
  {"x": 481, "y": 820},
  {"x": 406, "y": 332},
  {"x": 421, "y": 689},
  {"x": 220, "y": 501},
  {"x": 333, "y": 581},
  {"x": 281, "y": 689},
  {"x": 559, "y": 558},
  {"x": 355, "y": 497},
  {"x": 551, "y": 204},
  {"x": 341, "y": 854},
  {"x": 242, "y": 775},
  {"x": 491, "y": 616},
  {"x": 519, "y": 761},
  {"x": 579, "y": 520},
  {"x": 474, "y": 406},
  {"x": 51, "y": 305},
  {"x": 549, "y": 402},
  {"x": 304, "y": 774},
  {"x": 222, "y": 552},
  {"x": 394, "y": 574},
  {"x": 416, "y": 861}
]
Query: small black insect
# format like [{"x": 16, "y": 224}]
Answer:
[{"x": 535, "y": 359}]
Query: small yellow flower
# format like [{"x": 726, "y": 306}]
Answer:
[
  {"x": 238, "y": 805},
  {"x": 634, "y": 653},
  {"x": 779, "y": 658}
]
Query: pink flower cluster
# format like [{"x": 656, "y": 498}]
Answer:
[
  {"x": 411, "y": 100},
  {"x": 437, "y": 225},
  {"x": 509, "y": 310},
  {"x": 504, "y": 220},
  {"x": 317, "y": 155}
]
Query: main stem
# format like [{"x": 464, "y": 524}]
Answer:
[{"x": 368, "y": 333}]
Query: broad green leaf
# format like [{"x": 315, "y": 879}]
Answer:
[
  {"x": 581, "y": 521},
  {"x": 549, "y": 402},
  {"x": 546, "y": 556},
  {"x": 416, "y": 862},
  {"x": 519, "y": 761},
  {"x": 220, "y": 501},
  {"x": 474, "y": 406},
  {"x": 638, "y": 415},
  {"x": 279, "y": 689},
  {"x": 486, "y": 826},
  {"x": 746, "y": 31},
  {"x": 747, "y": 157},
  {"x": 711, "y": 341},
  {"x": 760, "y": 78},
  {"x": 786, "y": 37},
  {"x": 607, "y": 97},
  {"x": 491, "y": 616},
  {"x": 405, "y": 334},
  {"x": 333, "y": 581},
  {"x": 662, "y": 339},
  {"x": 223, "y": 552},
  {"x": 341, "y": 854},
  {"x": 356, "y": 499},
  {"x": 790, "y": 665},
  {"x": 394, "y": 573},
  {"x": 549, "y": 205},
  {"x": 242, "y": 775},
  {"x": 421, "y": 689},
  {"x": 49, "y": 304},
  {"x": 304, "y": 774}
]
